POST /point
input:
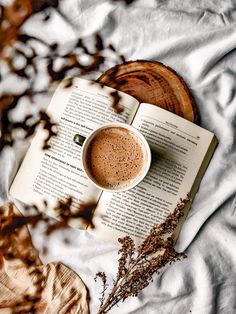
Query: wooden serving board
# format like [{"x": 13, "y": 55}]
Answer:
[{"x": 154, "y": 83}]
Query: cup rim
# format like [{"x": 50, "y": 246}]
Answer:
[{"x": 137, "y": 133}]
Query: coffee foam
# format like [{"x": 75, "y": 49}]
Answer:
[{"x": 115, "y": 157}]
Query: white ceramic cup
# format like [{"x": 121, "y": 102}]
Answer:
[{"x": 145, "y": 147}]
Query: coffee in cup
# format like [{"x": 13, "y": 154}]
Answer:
[{"x": 116, "y": 157}]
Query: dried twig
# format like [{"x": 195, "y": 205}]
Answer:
[
  {"x": 136, "y": 268},
  {"x": 15, "y": 44},
  {"x": 15, "y": 248}
]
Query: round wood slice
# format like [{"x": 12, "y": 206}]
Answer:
[{"x": 154, "y": 83}]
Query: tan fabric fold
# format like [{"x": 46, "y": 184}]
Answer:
[{"x": 60, "y": 290}]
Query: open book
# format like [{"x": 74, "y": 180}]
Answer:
[{"x": 181, "y": 152}]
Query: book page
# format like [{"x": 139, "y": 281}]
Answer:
[
  {"x": 56, "y": 173},
  {"x": 178, "y": 151}
]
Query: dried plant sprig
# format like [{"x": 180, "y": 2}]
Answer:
[
  {"x": 64, "y": 210},
  {"x": 127, "y": 253},
  {"x": 14, "y": 247},
  {"x": 11, "y": 224},
  {"x": 156, "y": 238},
  {"x": 65, "y": 214},
  {"x": 103, "y": 277},
  {"x": 115, "y": 103},
  {"x": 136, "y": 268},
  {"x": 16, "y": 44}
]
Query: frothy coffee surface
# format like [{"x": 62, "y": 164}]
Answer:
[{"x": 115, "y": 157}]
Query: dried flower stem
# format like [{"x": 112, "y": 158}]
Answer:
[
  {"x": 136, "y": 269},
  {"x": 108, "y": 304}
]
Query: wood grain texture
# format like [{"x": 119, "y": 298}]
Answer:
[{"x": 152, "y": 82}]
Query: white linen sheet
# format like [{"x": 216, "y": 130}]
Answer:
[{"x": 197, "y": 38}]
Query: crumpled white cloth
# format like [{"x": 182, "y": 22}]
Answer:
[{"x": 197, "y": 38}]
